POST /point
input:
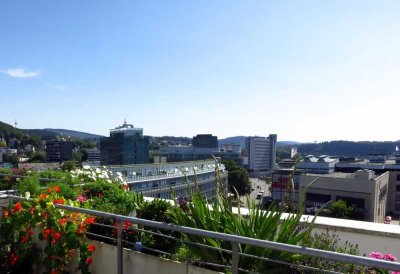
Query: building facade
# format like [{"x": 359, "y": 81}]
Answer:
[
  {"x": 126, "y": 145},
  {"x": 175, "y": 179},
  {"x": 58, "y": 151},
  {"x": 261, "y": 153}
]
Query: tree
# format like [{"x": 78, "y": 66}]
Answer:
[
  {"x": 68, "y": 166},
  {"x": 11, "y": 158},
  {"x": 38, "y": 157},
  {"x": 238, "y": 178},
  {"x": 340, "y": 209}
]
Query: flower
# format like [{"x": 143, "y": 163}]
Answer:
[
  {"x": 59, "y": 201},
  {"x": 91, "y": 248},
  {"x": 13, "y": 259},
  {"x": 81, "y": 199},
  {"x": 376, "y": 255},
  {"x": 89, "y": 260},
  {"x": 62, "y": 221},
  {"x": 57, "y": 189},
  {"x": 18, "y": 206},
  {"x": 24, "y": 239},
  {"x": 89, "y": 220},
  {"x": 389, "y": 257},
  {"x": 6, "y": 214}
]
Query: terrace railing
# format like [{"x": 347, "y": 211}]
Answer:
[{"x": 235, "y": 240}]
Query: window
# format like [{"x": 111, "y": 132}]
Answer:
[
  {"x": 397, "y": 187},
  {"x": 397, "y": 207},
  {"x": 398, "y": 177},
  {"x": 397, "y": 198}
]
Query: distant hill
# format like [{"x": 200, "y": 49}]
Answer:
[
  {"x": 348, "y": 148},
  {"x": 8, "y": 131},
  {"x": 44, "y": 134},
  {"x": 73, "y": 133},
  {"x": 241, "y": 140}
]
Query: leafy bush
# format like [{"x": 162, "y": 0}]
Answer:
[
  {"x": 158, "y": 210},
  {"x": 30, "y": 184},
  {"x": 329, "y": 242}
]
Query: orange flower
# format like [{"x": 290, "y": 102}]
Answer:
[
  {"x": 56, "y": 189},
  {"x": 6, "y": 214},
  {"x": 89, "y": 220},
  {"x": 43, "y": 196},
  {"x": 91, "y": 248},
  {"x": 49, "y": 190},
  {"x": 89, "y": 260},
  {"x": 18, "y": 206},
  {"x": 62, "y": 221}
]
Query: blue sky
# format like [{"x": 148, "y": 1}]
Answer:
[{"x": 305, "y": 70}]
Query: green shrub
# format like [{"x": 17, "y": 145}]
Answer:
[
  {"x": 158, "y": 210},
  {"x": 30, "y": 184},
  {"x": 329, "y": 242}
]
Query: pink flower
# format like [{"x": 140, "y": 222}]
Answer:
[
  {"x": 376, "y": 255},
  {"x": 81, "y": 199},
  {"x": 389, "y": 257}
]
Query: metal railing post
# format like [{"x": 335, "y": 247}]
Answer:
[
  {"x": 235, "y": 257},
  {"x": 120, "y": 263}
]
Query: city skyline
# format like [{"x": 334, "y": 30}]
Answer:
[{"x": 314, "y": 71}]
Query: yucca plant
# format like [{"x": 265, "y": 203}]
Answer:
[{"x": 218, "y": 216}]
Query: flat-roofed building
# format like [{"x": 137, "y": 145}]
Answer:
[
  {"x": 364, "y": 189},
  {"x": 159, "y": 180}
]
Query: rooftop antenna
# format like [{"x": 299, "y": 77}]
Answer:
[
  {"x": 125, "y": 121},
  {"x": 15, "y": 123}
]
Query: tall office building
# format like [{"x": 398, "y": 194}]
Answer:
[
  {"x": 205, "y": 141},
  {"x": 126, "y": 145},
  {"x": 261, "y": 153},
  {"x": 58, "y": 151}
]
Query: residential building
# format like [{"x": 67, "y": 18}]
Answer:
[
  {"x": 58, "y": 151},
  {"x": 160, "y": 180},
  {"x": 261, "y": 153},
  {"x": 126, "y": 145},
  {"x": 93, "y": 154}
]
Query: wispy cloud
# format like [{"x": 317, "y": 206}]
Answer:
[
  {"x": 21, "y": 73},
  {"x": 58, "y": 87}
]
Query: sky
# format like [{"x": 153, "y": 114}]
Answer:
[{"x": 305, "y": 70}]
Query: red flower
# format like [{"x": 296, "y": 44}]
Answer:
[
  {"x": 57, "y": 189},
  {"x": 29, "y": 231},
  {"x": 32, "y": 210},
  {"x": 18, "y": 206},
  {"x": 49, "y": 190},
  {"x": 89, "y": 220},
  {"x": 5, "y": 214},
  {"x": 59, "y": 201},
  {"x": 13, "y": 259},
  {"x": 91, "y": 248},
  {"x": 24, "y": 239},
  {"x": 89, "y": 260},
  {"x": 53, "y": 257},
  {"x": 53, "y": 271},
  {"x": 62, "y": 221},
  {"x": 71, "y": 252}
]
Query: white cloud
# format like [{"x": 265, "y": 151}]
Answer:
[{"x": 21, "y": 73}]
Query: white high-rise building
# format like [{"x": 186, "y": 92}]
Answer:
[{"x": 261, "y": 152}]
